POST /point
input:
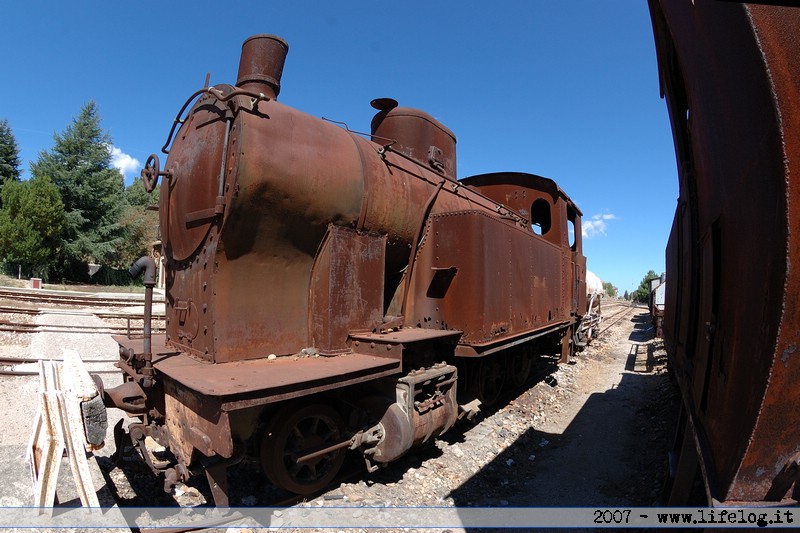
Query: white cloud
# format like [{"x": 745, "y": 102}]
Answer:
[
  {"x": 125, "y": 163},
  {"x": 596, "y": 225}
]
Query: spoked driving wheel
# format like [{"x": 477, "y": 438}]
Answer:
[
  {"x": 291, "y": 446},
  {"x": 489, "y": 379},
  {"x": 519, "y": 364}
]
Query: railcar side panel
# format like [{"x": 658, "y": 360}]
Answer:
[{"x": 730, "y": 75}]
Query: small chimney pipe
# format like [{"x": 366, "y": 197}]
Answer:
[{"x": 261, "y": 64}]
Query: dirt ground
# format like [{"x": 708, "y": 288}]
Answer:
[{"x": 610, "y": 434}]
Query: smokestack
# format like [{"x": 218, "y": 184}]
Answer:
[{"x": 261, "y": 65}]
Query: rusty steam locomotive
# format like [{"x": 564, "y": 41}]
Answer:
[
  {"x": 329, "y": 291},
  {"x": 730, "y": 74}
]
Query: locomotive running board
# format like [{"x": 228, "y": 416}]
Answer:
[
  {"x": 487, "y": 348},
  {"x": 247, "y": 383},
  {"x": 390, "y": 344}
]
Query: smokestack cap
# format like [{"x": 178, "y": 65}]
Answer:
[{"x": 261, "y": 64}]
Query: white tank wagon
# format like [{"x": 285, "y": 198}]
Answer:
[{"x": 590, "y": 325}]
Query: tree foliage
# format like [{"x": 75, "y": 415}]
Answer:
[
  {"x": 140, "y": 223},
  {"x": 31, "y": 222},
  {"x": 609, "y": 289},
  {"x": 642, "y": 294},
  {"x": 9, "y": 155},
  {"x": 91, "y": 190}
]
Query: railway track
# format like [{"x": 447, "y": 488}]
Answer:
[
  {"x": 621, "y": 312},
  {"x": 31, "y": 313},
  {"x": 39, "y": 296},
  {"x": 26, "y": 366},
  {"x": 5, "y": 309},
  {"x": 126, "y": 322},
  {"x": 27, "y": 327}
]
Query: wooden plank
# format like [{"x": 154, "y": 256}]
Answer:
[
  {"x": 72, "y": 428},
  {"x": 76, "y": 378},
  {"x": 58, "y": 426},
  {"x": 47, "y": 439}
]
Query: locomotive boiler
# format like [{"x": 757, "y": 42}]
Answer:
[
  {"x": 730, "y": 74},
  {"x": 330, "y": 291}
]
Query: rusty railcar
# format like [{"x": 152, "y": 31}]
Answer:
[
  {"x": 329, "y": 290},
  {"x": 730, "y": 74}
]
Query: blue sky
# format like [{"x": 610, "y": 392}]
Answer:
[{"x": 566, "y": 89}]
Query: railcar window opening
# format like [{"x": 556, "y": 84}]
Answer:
[
  {"x": 540, "y": 217},
  {"x": 572, "y": 229}
]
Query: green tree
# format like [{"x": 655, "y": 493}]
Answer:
[
  {"x": 140, "y": 223},
  {"x": 626, "y": 296},
  {"x": 609, "y": 289},
  {"x": 642, "y": 294},
  {"x": 9, "y": 155},
  {"x": 31, "y": 222},
  {"x": 137, "y": 195},
  {"x": 92, "y": 193}
]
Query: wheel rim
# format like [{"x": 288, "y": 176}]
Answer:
[
  {"x": 519, "y": 368},
  {"x": 294, "y": 432},
  {"x": 491, "y": 377}
]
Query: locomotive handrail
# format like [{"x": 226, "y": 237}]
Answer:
[
  {"x": 363, "y": 134},
  {"x": 510, "y": 214},
  {"x": 388, "y": 148},
  {"x": 498, "y": 207},
  {"x": 219, "y": 95},
  {"x": 417, "y": 242}
]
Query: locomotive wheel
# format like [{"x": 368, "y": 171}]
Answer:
[
  {"x": 296, "y": 431},
  {"x": 490, "y": 378},
  {"x": 519, "y": 364}
]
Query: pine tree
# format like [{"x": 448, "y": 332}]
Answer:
[
  {"x": 9, "y": 155},
  {"x": 91, "y": 190},
  {"x": 642, "y": 294}
]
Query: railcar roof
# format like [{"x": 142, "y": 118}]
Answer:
[{"x": 520, "y": 179}]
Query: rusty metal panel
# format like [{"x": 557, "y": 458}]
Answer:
[
  {"x": 195, "y": 423},
  {"x": 550, "y": 212},
  {"x": 393, "y": 343},
  {"x": 282, "y": 198},
  {"x": 778, "y": 33},
  {"x": 188, "y": 225},
  {"x": 346, "y": 287},
  {"x": 580, "y": 281},
  {"x": 416, "y": 134},
  {"x": 486, "y": 277},
  {"x": 731, "y": 77}
]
